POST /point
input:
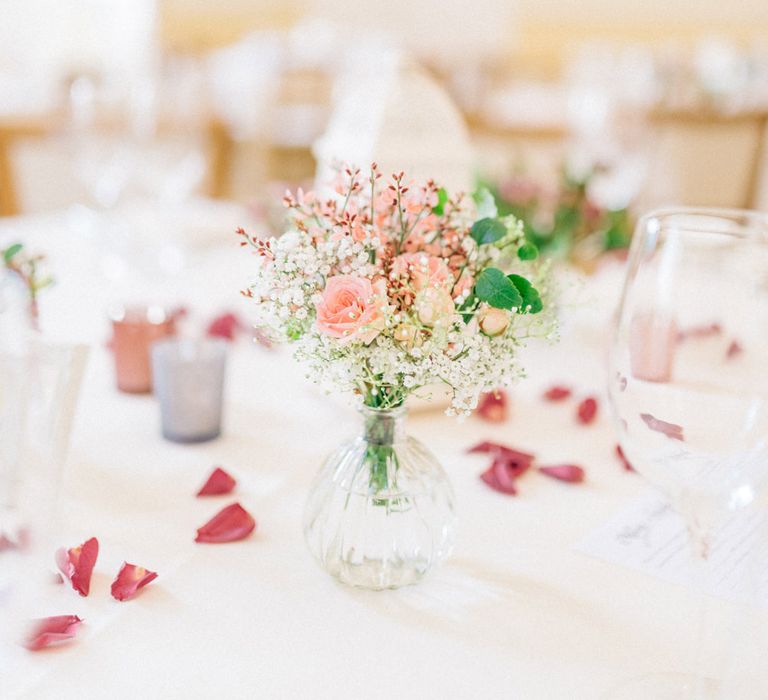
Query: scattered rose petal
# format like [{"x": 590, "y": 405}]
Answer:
[
  {"x": 564, "y": 472},
  {"x": 52, "y": 630},
  {"x": 627, "y": 464},
  {"x": 587, "y": 410},
  {"x": 6, "y": 543},
  {"x": 129, "y": 580},
  {"x": 228, "y": 525},
  {"x": 495, "y": 448},
  {"x": 218, "y": 483},
  {"x": 224, "y": 326},
  {"x": 703, "y": 331},
  {"x": 557, "y": 393},
  {"x": 77, "y": 564},
  {"x": 514, "y": 464},
  {"x": 491, "y": 477},
  {"x": 261, "y": 337},
  {"x": 492, "y": 406},
  {"x": 671, "y": 430},
  {"x": 734, "y": 349}
]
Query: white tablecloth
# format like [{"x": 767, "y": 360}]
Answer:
[{"x": 515, "y": 613}]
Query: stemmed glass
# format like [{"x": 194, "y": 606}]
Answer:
[{"x": 687, "y": 377}]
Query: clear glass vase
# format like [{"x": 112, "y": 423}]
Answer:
[{"x": 380, "y": 512}]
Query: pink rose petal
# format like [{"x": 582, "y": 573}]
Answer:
[
  {"x": 564, "y": 472},
  {"x": 557, "y": 393},
  {"x": 491, "y": 477},
  {"x": 7, "y": 543},
  {"x": 627, "y": 464},
  {"x": 218, "y": 483},
  {"x": 260, "y": 336},
  {"x": 703, "y": 331},
  {"x": 77, "y": 564},
  {"x": 52, "y": 630},
  {"x": 228, "y": 525},
  {"x": 129, "y": 580},
  {"x": 671, "y": 430},
  {"x": 224, "y": 326},
  {"x": 734, "y": 349},
  {"x": 495, "y": 448},
  {"x": 492, "y": 407},
  {"x": 587, "y": 410}
]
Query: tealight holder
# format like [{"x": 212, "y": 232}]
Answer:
[
  {"x": 189, "y": 383},
  {"x": 134, "y": 329}
]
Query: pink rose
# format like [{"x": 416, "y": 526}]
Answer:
[
  {"x": 352, "y": 308},
  {"x": 423, "y": 271}
]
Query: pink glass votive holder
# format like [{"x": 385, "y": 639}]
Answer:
[
  {"x": 652, "y": 345},
  {"x": 189, "y": 384},
  {"x": 134, "y": 329}
]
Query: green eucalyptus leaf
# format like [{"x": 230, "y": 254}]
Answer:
[
  {"x": 487, "y": 231},
  {"x": 442, "y": 200},
  {"x": 528, "y": 251},
  {"x": 497, "y": 290},
  {"x": 528, "y": 293},
  {"x": 9, "y": 252}
]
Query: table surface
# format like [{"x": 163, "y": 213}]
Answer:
[{"x": 515, "y": 613}]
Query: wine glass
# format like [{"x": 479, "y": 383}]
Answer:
[{"x": 687, "y": 380}]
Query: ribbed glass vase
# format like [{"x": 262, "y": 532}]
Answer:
[{"x": 380, "y": 513}]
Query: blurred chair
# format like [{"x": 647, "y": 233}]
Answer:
[
  {"x": 14, "y": 130},
  {"x": 707, "y": 158}
]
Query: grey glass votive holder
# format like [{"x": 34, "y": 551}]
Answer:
[{"x": 188, "y": 380}]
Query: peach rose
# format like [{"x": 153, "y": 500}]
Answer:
[
  {"x": 423, "y": 271},
  {"x": 352, "y": 308},
  {"x": 434, "y": 306},
  {"x": 493, "y": 321}
]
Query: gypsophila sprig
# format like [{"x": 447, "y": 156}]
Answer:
[{"x": 392, "y": 286}]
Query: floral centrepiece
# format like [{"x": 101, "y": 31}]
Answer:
[
  {"x": 385, "y": 290},
  {"x": 392, "y": 287}
]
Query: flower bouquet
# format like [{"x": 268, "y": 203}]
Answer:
[{"x": 386, "y": 290}]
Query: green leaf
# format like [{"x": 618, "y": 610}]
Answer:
[
  {"x": 466, "y": 306},
  {"x": 8, "y": 253},
  {"x": 442, "y": 199},
  {"x": 485, "y": 203},
  {"x": 528, "y": 293},
  {"x": 487, "y": 231},
  {"x": 528, "y": 251},
  {"x": 496, "y": 289}
]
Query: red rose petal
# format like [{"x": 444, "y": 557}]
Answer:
[
  {"x": 492, "y": 406},
  {"x": 52, "y": 630},
  {"x": 734, "y": 349},
  {"x": 218, "y": 483},
  {"x": 557, "y": 393},
  {"x": 490, "y": 477},
  {"x": 495, "y": 448},
  {"x": 564, "y": 472},
  {"x": 671, "y": 430},
  {"x": 129, "y": 580},
  {"x": 224, "y": 326},
  {"x": 228, "y": 525},
  {"x": 77, "y": 564},
  {"x": 587, "y": 410},
  {"x": 627, "y": 464}
]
